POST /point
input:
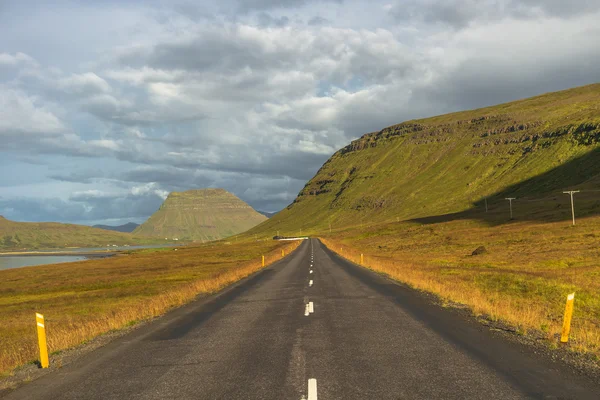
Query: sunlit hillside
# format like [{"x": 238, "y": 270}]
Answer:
[{"x": 530, "y": 149}]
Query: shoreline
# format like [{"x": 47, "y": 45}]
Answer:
[{"x": 89, "y": 254}]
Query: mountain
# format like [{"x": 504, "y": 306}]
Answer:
[
  {"x": 267, "y": 214},
  {"x": 530, "y": 149},
  {"x": 46, "y": 235},
  {"x": 128, "y": 227},
  {"x": 204, "y": 214}
]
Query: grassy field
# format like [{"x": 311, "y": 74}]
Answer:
[
  {"x": 522, "y": 280},
  {"x": 81, "y": 300},
  {"x": 412, "y": 198},
  {"x": 452, "y": 163},
  {"x": 52, "y": 235}
]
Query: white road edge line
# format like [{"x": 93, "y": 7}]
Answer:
[
  {"x": 306, "y": 312},
  {"x": 311, "y": 307},
  {"x": 312, "y": 389},
  {"x": 311, "y": 271},
  {"x": 310, "y": 283}
]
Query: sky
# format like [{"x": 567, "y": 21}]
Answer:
[{"x": 107, "y": 106}]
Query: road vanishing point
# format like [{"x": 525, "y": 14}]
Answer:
[{"x": 340, "y": 332}]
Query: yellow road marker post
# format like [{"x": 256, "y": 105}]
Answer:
[
  {"x": 41, "y": 331},
  {"x": 263, "y": 261},
  {"x": 564, "y": 337},
  {"x": 362, "y": 259},
  {"x": 282, "y": 253}
]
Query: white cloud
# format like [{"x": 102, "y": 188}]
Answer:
[
  {"x": 106, "y": 144},
  {"x": 90, "y": 193},
  {"x": 23, "y": 114},
  {"x": 138, "y": 76},
  {"x": 149, "y": 188},
  {"x": 16, "y": 59},
  {"x": 84, "y": 83},
  {"x": 254, "y": 97}
]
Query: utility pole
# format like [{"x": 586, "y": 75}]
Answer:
[
  {"x": 572, "y": 192},
  {"x": 510, "y": 199}
]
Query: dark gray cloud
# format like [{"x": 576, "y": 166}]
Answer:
[
  {"x": 246, "y": 6},
  {"x": 457, "y": 13},
  {"x": 81, "y": 208},
  {"x": 480, "y": 82},
  {"x": 460, "y": 13},
  {"x": 211, "y": 49},
  {"x": 318, "y": 21},
  {"x": 265, "y": 19},
  {"x": 253, "y": 99},
  {"x": 555, "y": 8},
  {"x": 79, "y": 176}
]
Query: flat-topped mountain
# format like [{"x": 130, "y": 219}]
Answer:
[{"x": 202, "y": 214}]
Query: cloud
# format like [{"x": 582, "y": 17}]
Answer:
[
  {"x": 150, "y": 188},
  {"x": 24, "y": 116},
  {"x": 88, "y": 206},
  {"x": 461, "y": 13},
  {"x": 83, "y": 84},
  {"x": 265, "y": 19},
  {"x": 7, "y": 59},
  {"x": 317, "y": 21},
  {"x": 255, "y": 96},
  {"x": 248, "y": 6}
]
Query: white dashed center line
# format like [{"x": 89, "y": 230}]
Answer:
[
  {"x": 309, "y": 309},
  {"x": 312, "y": 389}
]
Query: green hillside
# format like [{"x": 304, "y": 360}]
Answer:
[
  {"x": 52, "y": 235},
  {"x": 410, "y": 202},
  {"x": 205, "y": 214},
  {"x": 531, "y": 149}
]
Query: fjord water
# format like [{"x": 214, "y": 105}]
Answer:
[
  {"x": 9, "y": 262},
  {"x": 19, "y": 260}
]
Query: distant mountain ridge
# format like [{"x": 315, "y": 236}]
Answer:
[
  {"x": 128, "y": 227},
  {"x": 201, "y": 214},
  {"x": 54, "y": 235}
]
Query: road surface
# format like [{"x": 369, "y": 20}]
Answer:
[{"x": 348, "y": 334}]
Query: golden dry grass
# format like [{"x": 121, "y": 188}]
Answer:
[
  {"x": 523, "y": 281},
  {"x": 84, "y": 299}
]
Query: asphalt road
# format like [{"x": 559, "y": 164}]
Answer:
[{"x": 366, "y": 338}]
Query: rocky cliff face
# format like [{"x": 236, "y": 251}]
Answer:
[{"x": 204, "y": 214}]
